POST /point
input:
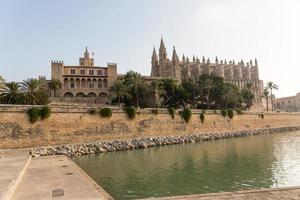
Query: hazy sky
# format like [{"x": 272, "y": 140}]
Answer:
[{"x": 34, "y": 32}]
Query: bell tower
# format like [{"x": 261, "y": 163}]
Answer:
[{"x": 86, "y": 60}]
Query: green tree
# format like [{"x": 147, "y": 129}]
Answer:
[
  {"x": 134, "y": 80},
  {"x": 266, "y": 93},
  {"x": 34, "y": 92},
  {"x": 157, "y": 91},
  {"x": 119, "y": 90},
  {"x": 193, "y": 91},
  {"x": 247, "y": 96},
  {"x": 11, "y": 94},
  {"x": 272, "y": 86},
  {"x": 55, "y": 84},
  {"x": 208, "y": 85},
  {"x": 176, "y": 95},
  {"x": 228, "y": 94}
]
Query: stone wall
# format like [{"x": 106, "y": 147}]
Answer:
[{"x": 73, "y": 124}]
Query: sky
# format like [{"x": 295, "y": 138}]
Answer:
[{"x": 34, "y": 32}]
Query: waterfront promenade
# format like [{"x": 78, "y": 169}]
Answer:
[
  {"x": 290, "y": 193},
  {"x": 23, "y": 178}
]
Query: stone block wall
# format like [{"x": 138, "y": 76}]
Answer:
[{"x": 74, "y": 124}]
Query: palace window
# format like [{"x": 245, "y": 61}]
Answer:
[
  {"x": 91, "y": 72},
  {"x": 72, "y": 85},
  {"x": 73, "y": 71},
  {"x": 105, "y": 83},
  {"x": 91, "y": 85},
  {"x": 82, "y": 71},
  {"x": 100, "y": 72}
]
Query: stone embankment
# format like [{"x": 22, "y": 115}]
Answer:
[{"x": 140, "y": 143}]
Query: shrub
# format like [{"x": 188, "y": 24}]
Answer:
[
  {"x": 224, "y": 113},
  {"x": 202, "y": 117},
  {"x": 45, "y": 112},
  {"x": 230, "y": 113},
  {"x": 239, "y": 111},
  {"x": 172, "y": 112},
  {"x": 261, "y": 115},
  {"x": 186, "y": 114},
  {"x": 155, "y": 111},
  {"x": 92, "y": 111},
  {"x": 105, "y": 112},
  {"x": 204, "y": 111},
  {"x": 34, "y": 114},
  {"x": 131, "y": 112}
]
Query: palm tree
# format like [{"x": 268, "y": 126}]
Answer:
[
  {"x": 272, "y": 86},
  {"x": 10, "y": 93},
  {"x": 34, "y": 92},
  {"x": 2, "y": 83},
  {"x": 227, "y": 93},
  {"x": 266, "y": 94},
  {"x": 119, "y": 90},
  {"x": 158, "y": 90},
  {"x": 134, "y": 80},
  {"x": 208, "y": 84},
  {"x": 55, "y": 84}
]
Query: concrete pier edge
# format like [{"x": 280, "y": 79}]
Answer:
[{"x": 14, "y": 183}]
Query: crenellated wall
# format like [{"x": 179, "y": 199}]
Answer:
[{"x": 73, "y": 124}]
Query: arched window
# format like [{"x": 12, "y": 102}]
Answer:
[
  {"x": 72, "y": 83},
  {"x": 77, "y": 83},
  {"x": 99, "y": 83},
  {"x": 83, "y": 83},
  {"x": 68, "y": 95},
  {"x": 66, "y": 83},
  {"x": 105, "y": 83}
]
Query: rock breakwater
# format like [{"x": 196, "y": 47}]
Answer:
[{"x": 145, "y": 142}]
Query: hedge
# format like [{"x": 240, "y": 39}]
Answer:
[
  {"x": 224, "y": 113},
  {"x": 186, "y": 114},
  {"x": 105, "y": 112},
  {"x": 172, "y": 112},
  {"x": 202, "y": 117},
  {"x": 230, "y": 113},
  {"x": 45, "y": 112},
  {"x": 34, "y": 114},
  {"x": 92, "y": 111},
  {"x": 131, "y": 112}
]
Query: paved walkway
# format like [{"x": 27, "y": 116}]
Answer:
[
  {"x": 12, "y": 166},
  {"x": 57, "y": 177},
  {"x": 290, "y": 193}
]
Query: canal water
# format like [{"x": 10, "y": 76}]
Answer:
[{"x": 265, "y": 161}]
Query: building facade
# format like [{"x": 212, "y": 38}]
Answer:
[
  {"x": 291, "y": 103},
  {"x": 84, "y": 82},
  {"x": 240, "y": 74}
]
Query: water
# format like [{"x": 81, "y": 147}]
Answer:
[{"x": 265, "y": 161}]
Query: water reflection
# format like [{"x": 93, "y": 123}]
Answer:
[{"x": 225, "y": 165}]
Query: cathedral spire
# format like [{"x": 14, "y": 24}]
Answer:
[
  {"x": 154, "y": 55},
  {"x": 217, "y": 60},
  {"x": 162, "y": 50},
  {"x": 174, "y": 56},
  {"x": 162, "y": 44},
  {"x": 203, "y": 60},
  {"x": 256, "y": 64},
  {"x": 86, "y": 53}
]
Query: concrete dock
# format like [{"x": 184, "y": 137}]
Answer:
[
  {"x": 12, "y": 167},
  {"x": 57, "y": 177}
]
